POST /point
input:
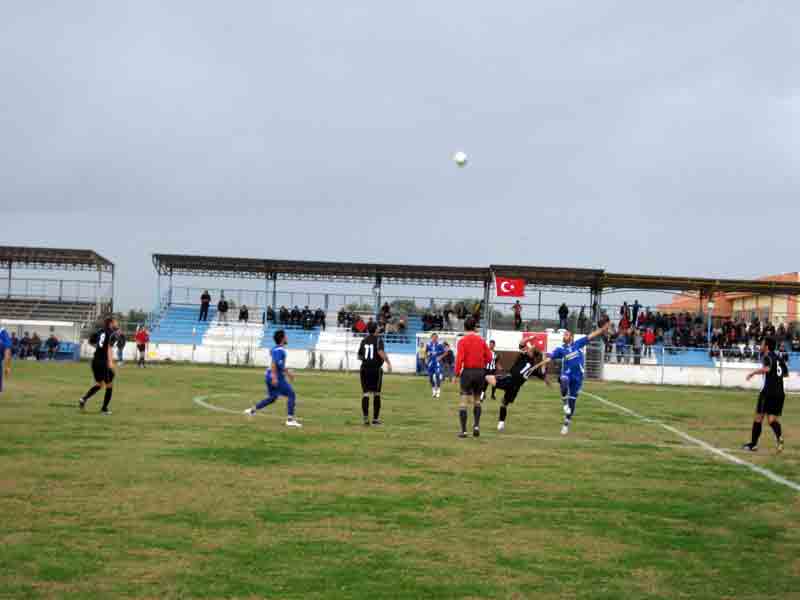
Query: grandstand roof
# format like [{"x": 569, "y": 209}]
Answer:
[
  {"x": 549, "y": 277},
  {"x": 54, "y": 258},
  {"x": 250, "y": 268}
]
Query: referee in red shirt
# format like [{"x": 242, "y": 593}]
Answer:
[{"x": 472, "y": 356}]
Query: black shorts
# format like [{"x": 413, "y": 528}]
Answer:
[
  {"x": 770, "y": 404},
  {"x": 140, "y": 347},
  {"x": 102, "y": 374},
  {"x": 371, "y": 380},
  {"x": 472, "y": 381},
  {"x": 510, "y": 386}
]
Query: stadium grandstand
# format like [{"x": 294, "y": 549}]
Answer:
[
  {"x": 58, "y": 304},
  {"x": 324, "y": 328}
]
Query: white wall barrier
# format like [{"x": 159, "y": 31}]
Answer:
[{"x": 729, "y": 376}]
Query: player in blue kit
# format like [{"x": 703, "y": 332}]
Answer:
[
  {"x": 5, "y": 356},
  {"x": 278, "y": 378},
  {"x": 435, "y": 351},
  {"x": 571, "y": 355}
]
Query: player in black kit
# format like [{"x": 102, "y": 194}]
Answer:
[
  {"x": 104, "y": 341},
  {"x": 372, "y": 355},
  {"x": 491, "y": 369},
  {"x": 511, "y": 383},
  {"x": 771, "y": 397}
]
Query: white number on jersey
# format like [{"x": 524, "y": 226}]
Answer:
[
  {"x": 369, "y": 351},
  {"x": 526, "y": 372},
  {"x": 779, "y": 370},
  {"x": 101, "y": 340}
]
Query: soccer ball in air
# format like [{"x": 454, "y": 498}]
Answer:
[{"x": 460, "y": 158}]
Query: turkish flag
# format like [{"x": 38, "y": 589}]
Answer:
[{"x": 510, "y": 287}]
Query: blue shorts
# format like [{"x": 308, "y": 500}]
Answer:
[
  {"x": 571, "y": 387},
  {"x": 435, "y": 369},
  {"x": 282, "y": 389}
]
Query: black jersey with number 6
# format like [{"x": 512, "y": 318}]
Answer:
[
  {"x": 106, "y": 338},
  {"x": 773, "y": 378},
  {"x": 369, "y": 352}
]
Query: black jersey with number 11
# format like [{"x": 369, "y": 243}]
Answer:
[{"x": 369, "y": 352}]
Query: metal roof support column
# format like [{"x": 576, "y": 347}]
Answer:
[
  {"x": 377, "y": 292},
  {"x": 487, "y": 286},
  {"x": 10, "y": 262},
  {"x": 275, "y": 292}
]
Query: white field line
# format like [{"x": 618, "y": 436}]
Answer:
[
  {"x": 203, "y": 401},
  {"x": 772, "y": 476}
]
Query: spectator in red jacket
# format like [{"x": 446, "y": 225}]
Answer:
[
  {"x": 649, "y": 340},
  {"x": 472, "y": 356},
  {"x": 142, "y": 339}
]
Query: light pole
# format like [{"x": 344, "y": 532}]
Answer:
[{"x": 710, "y": 313}]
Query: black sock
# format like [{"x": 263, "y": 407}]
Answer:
[
  {"x": 493, "y": 392},
  {"x": 107, "y": 399},
  {"x": 776, "y": 427},
  {"x": 503, "y": 412},
  {"x": 376, "y": 406},
  {"x": 476, "y": 414},
  {"x": 365, "y": 406},
  {"x": 756, "y": 433},
  {"x": 92, "y": 391},
  {"x": 462, "y": 417}
]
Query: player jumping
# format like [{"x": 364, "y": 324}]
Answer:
[
  {"x": 771, "y": 397},
  {"x": 435, "y": 351},
  {"x": 277, "y": 384},
  {"x": 572, "y": 368},
  {"x": 511, "y": 383}
]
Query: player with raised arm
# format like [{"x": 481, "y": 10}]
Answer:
[
  {"x": 524, "y": 368},
  {"x": 104, "y": 341},
  {"x": 277, "y": 379},
  {"x": 372, "y": 355},
  {"x": 772, "y": 395},
  {"x": 5, "y": 356},
  {"x": 435, "y": 351},
  {"x": 571, "y": 355}
]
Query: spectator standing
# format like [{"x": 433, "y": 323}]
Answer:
[
  {"x": 142, "y": 339},
  {"x": 222, "y": 309},
  {"x": 649, "y": 341},
  {"x": 121, "y": 341},
  {"x": 14, "y": 346},
  {"x": 517, "y": 308},
  {"x": 52, "y": 346},
  {"x": 582, "y": 320},
  {"x": 635, "y": 312},
  {"x": 36, "y": 346},
  {"x": 636, "y": 343},
  {"x": 244, "y": 314},
  {"x": 563, "y": 314},
  {"x": 205, "y": 302},
  {"x": 621, "y": 345},
  {"x": 448, "y": 363}
]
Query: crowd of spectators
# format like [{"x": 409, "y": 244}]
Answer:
[
  {"x": 32, "y": 346},
  {"x": 638, "y": 330},
  {"x": 296, "y": 317}
]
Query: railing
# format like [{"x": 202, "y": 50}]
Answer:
[{"x": 61, "y": 290}]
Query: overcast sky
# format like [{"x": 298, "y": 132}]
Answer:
[{"x": 654, "y": 137}]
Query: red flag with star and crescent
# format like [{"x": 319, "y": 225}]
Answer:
[{"x": 506, "y": 286}]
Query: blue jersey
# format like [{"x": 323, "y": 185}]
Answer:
[
  {"x": 278, "y": 355},
  {"x": 571, "y": 356},
  {"x": 5, "y": 343},
  {"x": 434, "y": 350}
]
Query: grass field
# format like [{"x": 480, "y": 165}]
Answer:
[{"x": 167, "y": 499}]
